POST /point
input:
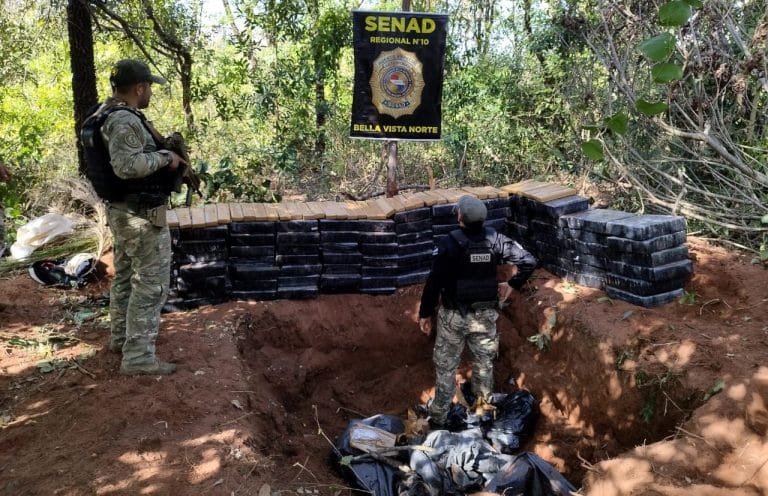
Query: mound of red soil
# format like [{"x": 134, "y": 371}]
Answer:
[{"x": 644, "y": 401}]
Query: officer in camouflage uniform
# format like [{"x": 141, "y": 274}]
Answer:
[
  {"x": 4, "y": 177},
  {"x": 131, "y": 172},
  {"x": 464, "y": 279}
]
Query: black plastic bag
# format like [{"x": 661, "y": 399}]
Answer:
[
  {"x": 374, "y": 476},
  {"x": 529, "y": 475},
  {"x": 516, "y": 416}
]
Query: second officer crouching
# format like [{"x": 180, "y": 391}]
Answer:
[{"x": 463, "y": 281}]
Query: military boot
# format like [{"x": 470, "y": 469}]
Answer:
[{"x": 157, "y": 367}]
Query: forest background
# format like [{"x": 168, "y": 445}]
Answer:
[{"x": 659, "y": 105}]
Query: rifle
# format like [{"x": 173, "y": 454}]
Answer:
[
  {"x": 175, "y": 142},
  {"x": 184, "y": 174}
]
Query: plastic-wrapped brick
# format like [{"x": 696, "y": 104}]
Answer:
[
  {"x": 254, "y": 295},
  {"x": 284, "y": 249},
  {"x": 408, "y": 249},
  {"x": 444, "y": 209},
  {"x": 652, "y": 245},
  {"x": 412, "y": 278},
  {"x": 655, "y": 259},
  {"x": 645, "y": 227},
  {"x": 339, "y": 237},
  {"x": 297, "y": 259},
  {"x": 203, "y": 233},
  {"x": 253, "y": 271},
  {"x": 201, "y": 270},
  {"x": 675, "y": 270},
  {"x": 387, "y": 249},
  {"x": 496, "y": 203},
  {"x": 648, "y": 301},
  {"x": 378, "y": 237},
  {"x": 252, "y": 228},
  {"x": 252, "y": 252},
  {"x": 297, "y": 226},
  {"x": 352, "y": 259},
  {"x": 642, "y": 287},
  {"x": 339, "y": 269},
  {"x": 297, "y": 292},
  {"x": 381, "y": 271},
  {"x": 411, "y": 227},
  {"x": 298, "y": 281},
  {"x": 255, "y": 285},
  {"x": 298, "y": 238},
  {"x": 252, "y": 239},
  {"x": 594, "y": 219},
  {"x": 339, "y": 283},
  {"x": 417, "y": 237},
  {"x": 300, "y": 270},
  {"x": 414, "y": 215},
  {"x": 358, "y": 225}
]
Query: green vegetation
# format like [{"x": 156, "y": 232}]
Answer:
[
  {"x": 655, "y": 386},
  {"x": 662, "y": 104}
]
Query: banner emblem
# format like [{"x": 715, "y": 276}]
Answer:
[{"x": 396, "y": 82}]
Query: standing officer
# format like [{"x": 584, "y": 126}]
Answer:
[
  {"x": 463, "y": 278},
  {"x": 134, "y": 175}
]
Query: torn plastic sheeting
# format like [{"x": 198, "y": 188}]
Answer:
[
  {"x": 377, "y": 477},
  {"x": 459, "y": 462},
  {"x": 367, "y": 438},
  {"x": 528, "y": 475},
  {"x": 465, "y": 466}
]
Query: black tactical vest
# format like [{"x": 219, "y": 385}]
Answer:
[
  {"x": 99, "y": 170},
  {"x": 476, "y": 283}
]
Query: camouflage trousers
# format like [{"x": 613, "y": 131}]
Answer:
[
  {"x": 142, "y": 255},
  {"x": 478, "y": 331}
]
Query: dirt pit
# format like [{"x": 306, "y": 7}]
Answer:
[{"x": 633, "y": 401}]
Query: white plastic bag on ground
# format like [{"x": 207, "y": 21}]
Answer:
[{"x": 38, "y": 232}]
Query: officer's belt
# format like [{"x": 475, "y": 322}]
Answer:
[
  {"x": 136, "y": 208},
  {"x": 471, "y": 307}
]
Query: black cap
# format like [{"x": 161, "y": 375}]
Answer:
[{"x": 131, "y": 71}]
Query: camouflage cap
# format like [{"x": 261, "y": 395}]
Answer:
[{"x": 126, "y": 72}]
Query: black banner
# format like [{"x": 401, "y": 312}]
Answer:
[{"x": 399, "y": 59}]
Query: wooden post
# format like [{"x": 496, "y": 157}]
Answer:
[{"x": 391, "y": 146}]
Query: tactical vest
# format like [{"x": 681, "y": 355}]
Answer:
[
  {"x": 476, "y": 284},
  {"x": 99, "y": 169}
]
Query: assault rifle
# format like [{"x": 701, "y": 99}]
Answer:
[
  {"x": 184, "y": 174},
  {"x": 175, "y": 143}
]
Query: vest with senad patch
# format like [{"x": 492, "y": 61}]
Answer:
[{"x": 476, "y": 282}]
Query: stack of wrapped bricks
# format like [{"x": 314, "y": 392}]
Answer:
[
  {"x": 641, "y": 259},
  {"x": 299, "y": 249}
]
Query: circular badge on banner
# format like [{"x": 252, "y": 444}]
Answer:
[{"x": 397, "y": 82}]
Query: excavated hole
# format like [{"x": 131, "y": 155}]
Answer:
[{"x": 352, "y": 356}]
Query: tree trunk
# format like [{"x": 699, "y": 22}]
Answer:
[
  {"x": 321, "y": 110},
  {"x": 84, "y": 91},
  {"x": 186, "y": 90}
]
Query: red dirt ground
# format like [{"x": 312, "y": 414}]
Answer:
[{"x": 628, "y": 395}]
